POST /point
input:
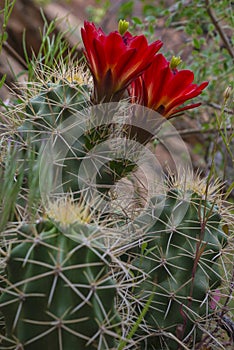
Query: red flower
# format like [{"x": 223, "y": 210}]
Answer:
[
  {"x": 164, "y": 89},
  {"x": 115, "y": 60}
]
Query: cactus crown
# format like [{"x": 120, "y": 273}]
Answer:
[{"x": 67, "y": 212}]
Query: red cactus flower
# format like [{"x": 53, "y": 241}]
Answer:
[
  {"x": 163, "y": 88},
  {"x": 115, "y": 60}
]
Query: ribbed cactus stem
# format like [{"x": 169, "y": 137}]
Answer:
[
  {"x": 182, "y": 244},
  {"x": 63, "y": 110},
  {"x": 59, "y": 294}
]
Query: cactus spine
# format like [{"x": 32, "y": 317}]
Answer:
[
  {"x": 62, "y": 286},
  {"x": 59, "y": 293},
  {"x": 182, "y": 244},
  {"x": 53, "y": 111}
]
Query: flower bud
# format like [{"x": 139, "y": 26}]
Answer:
[
  {"x": 123, "y": 26},
  {"x": 175, "y": 61},
  {"x": 227, "y": 93}
]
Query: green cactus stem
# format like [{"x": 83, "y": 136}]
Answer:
[
  {"x": 59, "y": 293},
  {"x": 60, "y": 111},
  {"x": 180, "y": 260}
]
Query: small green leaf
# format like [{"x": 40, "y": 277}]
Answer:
[
  {"x": 136, "y": 20},
  {"x": 2, "y": 81},
  {"x": 150, "y": 18},
  {"x": 196, "y": 43}
]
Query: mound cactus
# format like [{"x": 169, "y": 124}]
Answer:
[
  {"x": 59, "y": 293},
  {"x": 179, "y": 255}
]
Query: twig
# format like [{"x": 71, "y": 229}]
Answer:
[
  {"x": 220, "y": 108},
  {"x": 219, "y": 29},
  {"x": 187, "y": 132}
]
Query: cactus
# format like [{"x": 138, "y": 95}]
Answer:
[
  {"x": 59, "y": 293},
  {"x": 54, "y": 109},
  {"x": 79, "y": 276},
  {"x": 179, "y": 256},
  {"x": 47, "y": 109}
]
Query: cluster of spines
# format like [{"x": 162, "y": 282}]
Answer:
[
  {"x": 177, "y": 262},
  {"x": 179, "y": 255},
  {"x": 61, "y": 109},
  {"x": 59, "y": 293}
]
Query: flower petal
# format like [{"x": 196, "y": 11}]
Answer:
[
  {"x": 172, "y": 112},
  {"x": 124, "y": 57},
  {"x": 192, "y": 91},
  {"x": 164, "y": 89},
  {"x": 114, "y": 48},
  {"x": 179, "y": 83}
]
